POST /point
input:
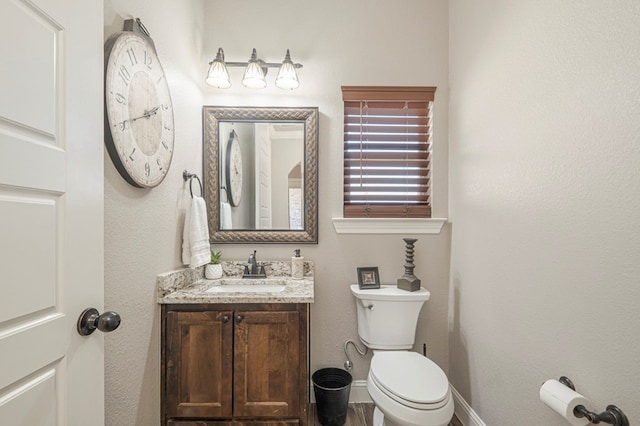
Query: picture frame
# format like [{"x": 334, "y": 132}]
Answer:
[{"x": 368, "y": 277}]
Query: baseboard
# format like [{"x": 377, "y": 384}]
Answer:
[
  {"x": 464, "y": 412},
  {"x": 358, "y": 392}
]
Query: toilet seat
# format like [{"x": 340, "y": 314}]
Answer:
[{"x": 410, "y": 379}]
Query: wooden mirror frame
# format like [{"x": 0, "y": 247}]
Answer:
[{"x": 308, "y": 116}]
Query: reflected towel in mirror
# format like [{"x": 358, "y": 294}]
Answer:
[
  {"x": 195, "y": 236},
  {"x": 225, "y": 216}
]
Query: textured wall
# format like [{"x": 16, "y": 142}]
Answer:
[
  {"x": 340, "y": 43},
  {"x": 143, "y": 227},
  {"x": 544, "y": 184}
]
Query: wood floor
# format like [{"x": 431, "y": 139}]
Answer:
[{"x": 359, "y": 414}]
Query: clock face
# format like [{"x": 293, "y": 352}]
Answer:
[
  {"x": 139, "y": 131},
  {"x": 234, "y": 172}
]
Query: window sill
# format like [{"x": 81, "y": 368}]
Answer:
[{"x": 388, "y": 225}]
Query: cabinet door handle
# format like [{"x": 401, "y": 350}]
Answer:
[
  {"x": 239, "y": 318},
  {"x": 225, "y": 319}
]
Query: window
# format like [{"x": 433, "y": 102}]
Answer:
[{"x": 387, "y": 145}]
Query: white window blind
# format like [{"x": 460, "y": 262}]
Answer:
[{"x": 387, "y": 146}]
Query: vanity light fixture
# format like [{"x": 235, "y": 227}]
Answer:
[
  {"x": 218, "y": 76},
  {"x": 254, "y": 73}
]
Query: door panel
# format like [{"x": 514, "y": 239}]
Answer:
[
  {"x": 34, "y": 76},
  {"x": 199, "y": 364},
  {"x": 266, "y": 364},
  {"x": 28, "y": 293},
  {"x": 264, "y": 219},
  {"x": 39, "y": 391},
  {"x": 51, "y": 188},
  {"x": 17, "y": 347}
]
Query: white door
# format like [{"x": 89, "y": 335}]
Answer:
[
  {"x": 263, "y": 176},
  {"x": 51, "y": 211}
]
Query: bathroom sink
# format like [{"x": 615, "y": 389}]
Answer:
[
  {"x": 239, "y": 288},
  {"x": 239, "y": 285}
]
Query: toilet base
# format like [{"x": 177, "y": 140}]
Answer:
[
  {"x": 380, "y": 420},
  {"x": 378, "y": 417},
  {"x": 392, "y": 413}
]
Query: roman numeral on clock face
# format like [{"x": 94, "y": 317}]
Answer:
[
  {"x": 124, "y": 75},
  {"x": 132, "y": 56}
]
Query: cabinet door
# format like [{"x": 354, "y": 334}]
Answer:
[
  {"x": 266, "y": 364},
  {"x": 199, "y": 364}
]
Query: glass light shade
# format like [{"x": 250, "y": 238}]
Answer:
[
  {"x": 218, "y": 76},
  {"x": 287, "y": 77},
  {"x": 253, "y": 75}
]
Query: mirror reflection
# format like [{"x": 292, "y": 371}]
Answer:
[
  {"x": 260, "y": 169},
  {"x": 261, "y": 175}
]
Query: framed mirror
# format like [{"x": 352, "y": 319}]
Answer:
[{"x": 261, "y": 174}]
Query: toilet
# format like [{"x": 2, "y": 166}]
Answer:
[{"x": 407, "y": 388}]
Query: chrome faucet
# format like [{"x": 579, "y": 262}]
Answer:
[
  {"x": 252, "y": 270},
  {"x": 253, "y": 263}
]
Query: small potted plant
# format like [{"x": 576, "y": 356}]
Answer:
[{"x": 213, "y": 270}]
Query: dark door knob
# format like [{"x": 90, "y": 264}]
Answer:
[
  {"x": 90, "y": 319},
  {"x": 239, "y": 319}
]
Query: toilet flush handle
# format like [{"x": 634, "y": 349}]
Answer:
[{"x": 369, "y": 306}]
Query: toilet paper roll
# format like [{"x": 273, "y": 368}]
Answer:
[{"x": 562, "y": 399}]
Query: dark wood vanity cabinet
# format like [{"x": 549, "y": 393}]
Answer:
[{"x": 234, "y": 365}]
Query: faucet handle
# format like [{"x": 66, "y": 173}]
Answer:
[{"x": 262, "y": 272}]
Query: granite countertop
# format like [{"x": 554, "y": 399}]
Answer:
[{"x": 189, "y": 285}]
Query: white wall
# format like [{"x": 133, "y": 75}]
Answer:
[
  {"x": 143, "y": 227},
  {"x": 544, "y": 157},
  {"x": 358, "y": 42}
]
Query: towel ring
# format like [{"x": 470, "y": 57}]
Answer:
[{"x": 189, "y": 176}]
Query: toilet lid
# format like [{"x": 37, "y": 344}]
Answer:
[{"x": 410, "y": 377}]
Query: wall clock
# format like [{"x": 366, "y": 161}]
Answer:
[
  {"x": 139, "y": 133},
  {"x": 233, "y": 168}
]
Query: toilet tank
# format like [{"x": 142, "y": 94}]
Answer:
[{"x": 388, "y": 316}]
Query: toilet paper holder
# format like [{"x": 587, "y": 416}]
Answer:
[{"x": 612, "y": 415}]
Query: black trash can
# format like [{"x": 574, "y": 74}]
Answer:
[{"x": 331, "y": 387}]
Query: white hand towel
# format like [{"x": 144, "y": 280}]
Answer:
[
  {"x": 225, "y": 216},
  {"x": 186, "y": 235},
  {"x": 195, "y": 239}
]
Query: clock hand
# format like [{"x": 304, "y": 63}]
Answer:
[{"x": 147, "y": 114}]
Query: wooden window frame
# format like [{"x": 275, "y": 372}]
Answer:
[{"x": 406, "y": 146}]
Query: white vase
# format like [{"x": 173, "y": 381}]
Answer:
[{"x": 213, "y": 272}]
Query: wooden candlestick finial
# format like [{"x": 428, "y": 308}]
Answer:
[{"x": 408, "y": 281}]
